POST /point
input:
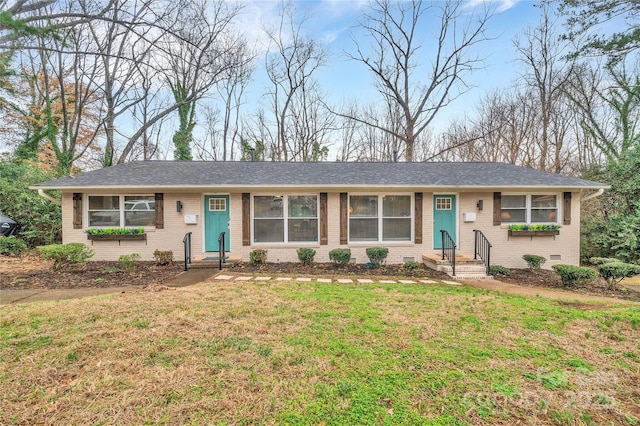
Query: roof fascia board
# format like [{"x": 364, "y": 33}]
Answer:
[{"x": 315, "y": 187}]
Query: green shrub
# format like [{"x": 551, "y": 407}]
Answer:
[
  {"x": 602, "y": 260},
  {"x": 534, "y": 261},
  {"x": 341, "y": 257},
  {"x": 163, "y": 257},
  {"x": 574, "y": 275},
  {"x": 306, "y": 255},
  {"x": 258, "y": 257},
  {"x": 64, "y": 254},
  {"x": 377, "y": 256},
  {"x": 129, "y": 261},
  {"x": 40, "y": 219},
  {"x": 12, "y": 246},
  {"x": 497, "y": 270},
  {"x": 614, "y": 272},
  {"x": 411, "y": 266}
]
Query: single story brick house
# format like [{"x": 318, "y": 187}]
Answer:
[{"x": 282, "y": 206}]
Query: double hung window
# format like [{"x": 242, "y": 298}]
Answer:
[
  {"x": 282, "y": 219},
  {"x": 529, "y": 208},
  {"x": 121, "y": 210},
  {"x": 380, "y": 218}
]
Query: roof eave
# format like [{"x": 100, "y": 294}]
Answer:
[{"x": 309, "y": 186}]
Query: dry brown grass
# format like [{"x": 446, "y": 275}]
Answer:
[{"x": 229, "y": 353}]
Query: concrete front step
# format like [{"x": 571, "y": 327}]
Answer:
[
  {"x": 461, "y": 259},
  {"x": 213, "y": 262},
  {"x": 466, "y": 266},
  {"x": 472, "y": 277}
]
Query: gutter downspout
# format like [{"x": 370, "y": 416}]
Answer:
[
  {"x": 596, "y": 194},
  {"x": 49, "y": 197}
]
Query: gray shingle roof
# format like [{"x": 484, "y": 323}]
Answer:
[{"x": 167, "y": 174}]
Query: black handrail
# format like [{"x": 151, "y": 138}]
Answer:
[
  {"x": 449, "y": 250},
  {"x": 187, "y": 250},
  {"x": 482, "y": 249},
  {"x": 223, "y": 258}
]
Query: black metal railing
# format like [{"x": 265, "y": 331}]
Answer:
[
  {"x": 187, "y": 250},
  {"x": 482, "y": 249},
  {"x": 449, "y": 250},
  {"x": 223, "y": 258}
]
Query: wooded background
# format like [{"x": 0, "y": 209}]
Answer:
[{"x": 92, "y": 83}]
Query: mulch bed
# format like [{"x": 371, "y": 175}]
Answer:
[
  {"x": 34, "y": 273},
  {"x": 549, "y": 279},
  {"x": 31, "y": 272},
  {"x": 329, "y": 270}
]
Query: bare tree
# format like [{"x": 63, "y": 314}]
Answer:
[
  {"x": 546, "y": 75},
  {"x": 208, "y": 146},
  {"x": 231, "y": 90},
  {"x": 121, "y": 49},
  {"x": 195, "y": 58},
  {"x": 503, "y": 129},
  {"x": 396, "y": 61},
  {"x": 291, "y": 63},
  {"x": 26, "y": 20}
]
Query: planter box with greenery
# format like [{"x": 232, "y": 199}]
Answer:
[
  {"x": 534, "y": 230},
  {"x": 116, "y": 234}
]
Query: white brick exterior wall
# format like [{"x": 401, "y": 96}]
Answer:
[{"x": 506, "y": 252}]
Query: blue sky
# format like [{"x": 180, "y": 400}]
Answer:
[{"x": 333, "y": 22}]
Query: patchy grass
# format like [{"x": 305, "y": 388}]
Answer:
[{"x": 311, "y": 353}]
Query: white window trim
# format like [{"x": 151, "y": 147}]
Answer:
[
  {"x": 528, "y": 208},
  {"x": 381, "y": 218},
  {"x": 285, "y": 218},
  {"x": 121, "y": 199}
]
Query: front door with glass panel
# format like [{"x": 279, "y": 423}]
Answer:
[
  {"x": 216, "y": 220},
  {"x": 444, "y": 217}
]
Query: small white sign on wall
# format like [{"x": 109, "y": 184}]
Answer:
[
  {"x": 191, "y": 219},
  {"x": 469, "y": 216}
]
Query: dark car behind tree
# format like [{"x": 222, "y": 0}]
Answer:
[{"x": 7, "y": 226}]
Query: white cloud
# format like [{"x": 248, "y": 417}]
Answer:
[{"x": 501, "y": 5}]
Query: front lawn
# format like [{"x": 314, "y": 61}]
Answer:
[{"x": 323, "y": 354}]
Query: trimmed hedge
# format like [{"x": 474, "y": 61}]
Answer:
[
  {"x": 377, "y": 256},
  {"x": 306, "y": 255},
  {"x": 497, "y": 270},
  {"x": 574, "y": 275},
  {"x": 411, "y": 265},
  {"x": 258, "y": 257},
  {"x": 534, "y": 261},
  {"x": 341, "y": 257}
]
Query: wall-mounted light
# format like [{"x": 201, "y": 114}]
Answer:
[
  {"x": 480, "y": 204},
  {"x": 178, "y": 206}
]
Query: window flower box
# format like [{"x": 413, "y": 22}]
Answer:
[
  {"x": 534, "y": 231},
  {"x": 114, "y": 237},
  {"x": 516, "y": 233},
  {"x": 116, "y": 234}
]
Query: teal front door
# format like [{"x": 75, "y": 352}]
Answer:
[
  {"x": 216, "y": 220},
  {"x": 444, "y": 217}
]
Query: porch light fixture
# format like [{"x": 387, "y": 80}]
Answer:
[
  {"x": 480, "y": 204},
  {"x": 178, "y": 206}
]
